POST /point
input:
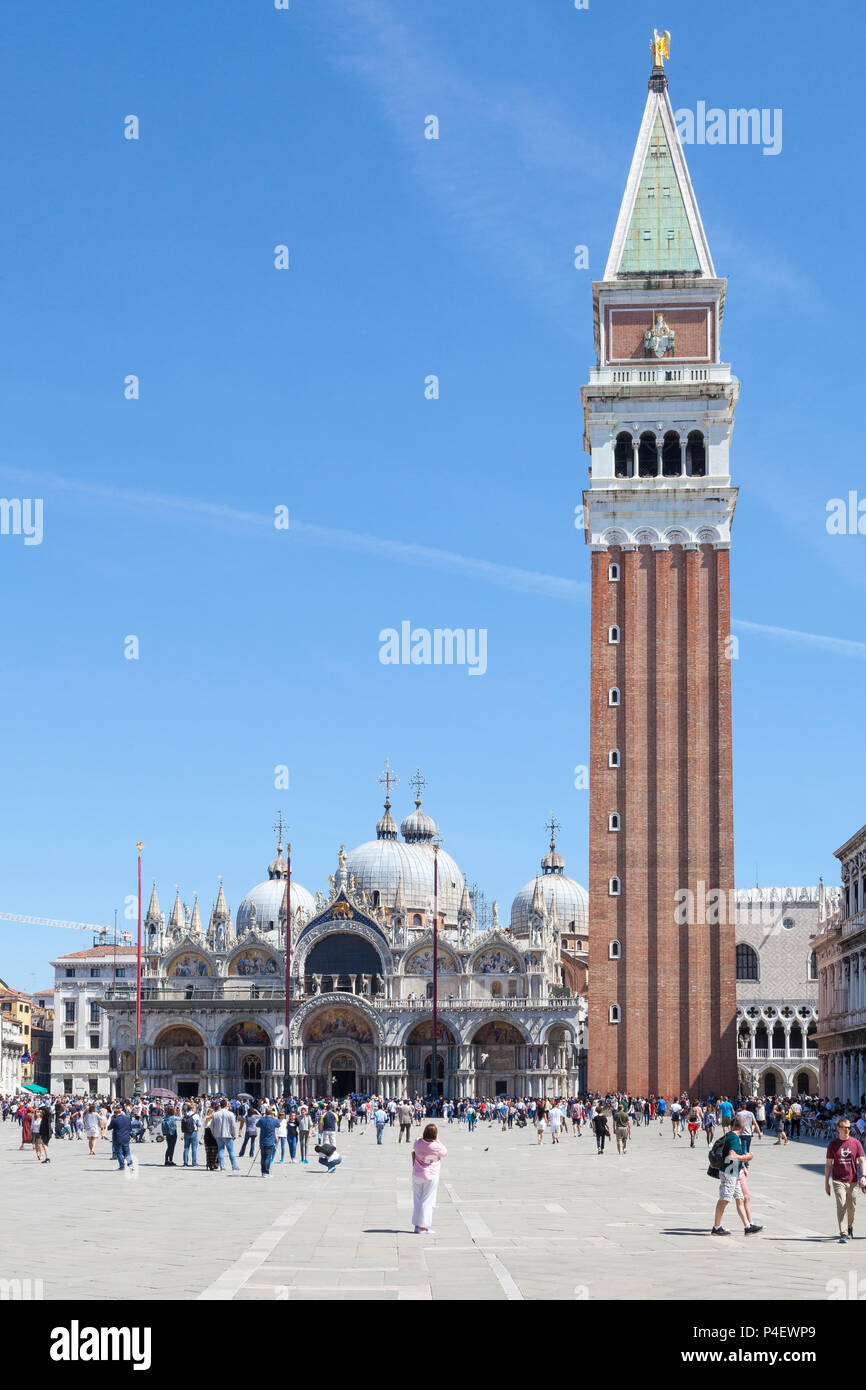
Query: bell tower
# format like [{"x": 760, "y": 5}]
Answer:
[{"x": 658, "y": 419}]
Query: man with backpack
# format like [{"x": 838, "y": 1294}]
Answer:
[
  {"x": 729, "y": 1162},
  {"x": 189, "y": 1128},
  {"x": 328, "y": 1156},
  {"x": 328, "y": 1128}
]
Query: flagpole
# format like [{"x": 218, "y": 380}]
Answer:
[
  {"x": 136, "y": 1089},
  {"x": 287, "y": 1055},
  {"x": 435, "y": 1058}
]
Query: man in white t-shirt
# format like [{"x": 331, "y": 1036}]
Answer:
[
  {"x": 750, "y": 1126},
  {"x": 676, "y": 1112}
]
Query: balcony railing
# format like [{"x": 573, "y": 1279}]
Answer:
[
  {"x": 854, "y": 924},
  {"x": 843, "y": 1019},
  {"x": 664, "y": 374},
  {"x": 237, "y": 990},
  {"x": 764, "y": 1054}
]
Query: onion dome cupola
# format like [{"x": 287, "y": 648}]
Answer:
[
  {"x": 386, "y": 826},
  {"x": 418, "y": 828}
]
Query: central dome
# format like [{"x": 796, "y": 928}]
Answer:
[{"x": 382, "y": 865}]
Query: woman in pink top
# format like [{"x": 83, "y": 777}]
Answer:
[{"x": 427, "y": 1155}]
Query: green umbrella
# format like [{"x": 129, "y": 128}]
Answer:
[{"x": 39, "y": 1090}]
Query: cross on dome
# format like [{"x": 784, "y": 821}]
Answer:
[
  {"x": 278, "y": 826},
  {"x": 387, "y": 779},
  {"x": 419, "y": 783}
]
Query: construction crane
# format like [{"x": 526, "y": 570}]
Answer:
[{"x": 98, "y": 929}]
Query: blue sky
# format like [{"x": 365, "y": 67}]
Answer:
[{"x": 306, "y": 388}]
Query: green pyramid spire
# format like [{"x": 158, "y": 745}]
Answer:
[{"x": 659, "y": 236}]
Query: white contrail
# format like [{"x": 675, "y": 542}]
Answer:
[
  {"x": 506, "y": 576},
  {"x": 405, "y": 552},
  {"x": 842, "y": 646}
]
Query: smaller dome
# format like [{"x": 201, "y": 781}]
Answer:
[
  {"x": 386, "y": 826},
  {"x": 261, "y": 907},
  {"x": 553, "y": 863},
  {"x": 418, "y": 828},
  {"x": 570, "y": 899},
  {"x": 278, "y": 868}
]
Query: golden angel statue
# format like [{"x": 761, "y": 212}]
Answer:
[{"x": 660, "y": 47}]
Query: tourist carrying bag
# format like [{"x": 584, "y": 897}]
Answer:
[{"x": 715, "y": 1158}]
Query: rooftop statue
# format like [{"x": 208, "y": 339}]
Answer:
[{"x": 660, "y": 47}]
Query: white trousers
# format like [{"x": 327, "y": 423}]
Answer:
[{"x": 424, "y": 1191}]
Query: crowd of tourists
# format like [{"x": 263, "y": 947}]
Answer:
[{"x": 288, "y": 1131}]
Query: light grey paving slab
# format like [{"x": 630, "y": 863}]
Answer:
[{"x": 514, "y": 1221}]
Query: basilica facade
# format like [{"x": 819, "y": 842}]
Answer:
[{"x": 511, "y": 996}]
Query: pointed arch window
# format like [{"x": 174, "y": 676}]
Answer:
[
  {"x": 613, "y": 696},
  {"x": 613, "y": 635},
  {"x": 614, "y": 887},
  {"x": 613, "y": 821},
  {"x": 614, "y": 1014},
  {"x": 613, "y": 573},
  {"x": 615, "y": 950},
  {"x": 613, "y": 758}
]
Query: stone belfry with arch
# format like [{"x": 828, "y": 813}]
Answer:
[{"x": 658, "y": 418}]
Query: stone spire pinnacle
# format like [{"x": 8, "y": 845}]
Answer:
[
  {"x": 465, "y": 904},
  {"x": 153, "y": 912},
  {"x": 221, "y": 911},
  {"x": 177, "y": 919},
  {"x": 537, "y": 908},
  {"x": 195, "y": 920}
]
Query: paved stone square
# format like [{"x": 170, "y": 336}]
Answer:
[{"x": 514, "y": 1221}]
